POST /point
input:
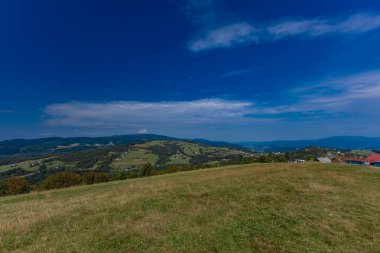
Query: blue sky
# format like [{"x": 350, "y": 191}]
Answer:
[{"x": 223, "y": 70}]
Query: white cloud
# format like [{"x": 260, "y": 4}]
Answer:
[
  {"x": 344, "y": 105},
  {"x": 358, "y": 93},
  {"x": 355, "y": 24},
  {"x": 142, "y": 131},
  {"x": 243, "y": 33},
  {"x": 227, "y": 36},
  {"x": 137, "y": 114},
  {"x": 350, "y": 94}
]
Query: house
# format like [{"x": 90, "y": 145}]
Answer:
[
  {"x": 355, "y": 160},
  {"x": 324, "y": 160},
  {"x": 296, "y": 161},
  {"x": 377, "y": 164},
  {"x": 372, "y": 159}
]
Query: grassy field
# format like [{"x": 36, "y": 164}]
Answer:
[
  {"x": 134, "y": 158},
  {"x": 31, "y": 165},
  {"x": 190, "y": 149},
  {"x": 252, "y": 208}
]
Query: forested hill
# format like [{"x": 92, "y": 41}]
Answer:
[
  {"x": 336, "y": 142},
  {"x": 56, "y": 145},
  {"x": 123, "y": 158}
]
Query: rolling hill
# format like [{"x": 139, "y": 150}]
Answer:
[
  {"x": 49, "y": 146},
  {"x": 252, "y": 208},
  {"x": 337, "y": 142},
  {"x": 56, "y": 145},
  {"x": 122, "y": 158}
]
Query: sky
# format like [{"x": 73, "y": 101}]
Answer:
[{"x": 231, "y": 70}]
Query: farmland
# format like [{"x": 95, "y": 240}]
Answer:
[{"x": 122, "y": 158}]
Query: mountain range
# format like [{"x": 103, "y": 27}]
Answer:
[
  {"x": 57, "y": 145},
  {"x": 336, "y": 142}
]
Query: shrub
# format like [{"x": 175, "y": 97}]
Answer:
[
  {"x": 95, "y": 177},
  {"x": 61, "y": 180},
  {"x": 146, "y": 170},
  {"x": 17, "y": 185},
  {"x": 3, "y": 188}
]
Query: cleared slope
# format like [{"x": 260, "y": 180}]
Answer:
[{"x": 254, "y": 208}]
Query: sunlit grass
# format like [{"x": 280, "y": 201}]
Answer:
[{"x": 252, "y": 208}]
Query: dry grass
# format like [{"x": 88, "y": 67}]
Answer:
[{"x": 252, "y": 208}]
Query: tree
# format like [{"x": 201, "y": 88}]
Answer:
[
  {"x": 42, "y": 168},
  {"x": 61, "y": 180},
  {"x": 17, "y": 185},
  {"x": 3, "y": 188},
  {"x": 146, "y": 170},
  {"x": 95, "y": 177}
]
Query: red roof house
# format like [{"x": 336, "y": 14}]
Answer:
[{"x": 374, "y": 158}]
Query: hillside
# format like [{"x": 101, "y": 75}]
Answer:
[
  {"x": 56, "y": 145},
  {"x": 114, "y": 159},
  {"x": 20, "y": 148},
  {"x": 335, "y": 142},
  {"x": 253, "y": 208}
]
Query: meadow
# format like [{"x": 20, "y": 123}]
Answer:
[{"x": 273, "y": 207}]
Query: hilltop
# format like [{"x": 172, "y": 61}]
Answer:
[{"x": 255, "y": 208}]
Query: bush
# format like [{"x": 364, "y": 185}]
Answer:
[
  {"x": 95, "y": 177},
  {"x": 146, "y": 170},
  {"x": 61, "y": 180},
  {"x": 17, "y": 185},
  {"x": 3, "y": 188}
]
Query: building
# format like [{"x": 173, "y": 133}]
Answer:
[
  {"x": 324, "y": 160},
  {"x": 355, "y": 160},
  {"x": 377, "y": 164},
  {"x": 372, "y": 159},
  {"x": 296, "y": 161}
]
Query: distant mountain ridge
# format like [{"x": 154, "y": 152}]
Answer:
[
  {"x": 58, "y": 145},
  {"x": 47, "y": 146},
  {"x": 336, "y": 142}
]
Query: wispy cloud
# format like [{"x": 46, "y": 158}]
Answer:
[
  {"x": 141, "y": 114},
  {"x": 355, "y": 24},
  {"x": 227, "y": 36},
  {"x": 6, "y": 111},
  {"x": 358, "y": 93},
  {"x": 242, "y": 33},
  {"x": 333, "y": 102},
  {"x": 238, "y": 72}
]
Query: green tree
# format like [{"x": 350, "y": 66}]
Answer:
[
  {"x": 61, "y": 180},
  {"x": 95, "y": 177},
  {"x": 146, "y": 170},
  {"x": 42, "y": 168},
  {"x": 17, "y": 185},
  {"x": 3, "y": 188}
]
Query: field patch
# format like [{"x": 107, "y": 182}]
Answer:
[{"x": 134, "y": 158}]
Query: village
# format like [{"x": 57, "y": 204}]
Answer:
[{"x": 370, "y": 160}]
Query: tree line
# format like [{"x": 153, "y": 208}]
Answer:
[{"x": 63, "y": 179}]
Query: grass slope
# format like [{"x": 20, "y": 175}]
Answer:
[{"x": 252, "y": 208}]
